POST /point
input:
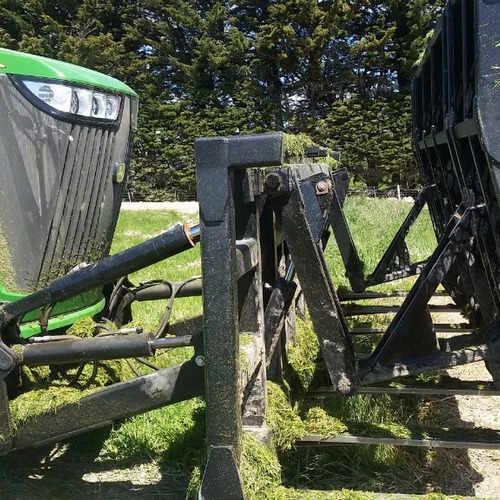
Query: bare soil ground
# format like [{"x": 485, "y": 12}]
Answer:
[
  {"x": 482, "y": 470},
  {"x": 481, "y": 412}
]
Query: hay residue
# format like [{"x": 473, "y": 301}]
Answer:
[
  {"x": 261, "y": 475},
  {"x": 44, "y": 390},
  {"x": 302, "y": 356},
  {"x": 261, "y": 471},
  {"x": 84, "y": 327},
  {"x": 42, "y": 401},
  {"x": 294, "y": 146},
  {"x": 283, "y": 418},
  {"x": 7, "y": 273},
  {"x": 318, "y": 421}
]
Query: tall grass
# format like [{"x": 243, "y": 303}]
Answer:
[{"x": 373, "y": 223}]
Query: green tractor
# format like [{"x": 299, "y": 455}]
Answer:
[{"x": 67, "y": 136}]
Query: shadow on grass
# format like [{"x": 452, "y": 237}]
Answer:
[
  {"x": 76, "y": 469},
  {"x": 387, "y": 469}
]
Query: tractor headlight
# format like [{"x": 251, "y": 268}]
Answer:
[{"x": 69, "y": 100}]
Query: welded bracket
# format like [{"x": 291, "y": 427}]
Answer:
[{"x": 319, "y": 292}]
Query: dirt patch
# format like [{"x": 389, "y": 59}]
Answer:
[
  {"x": 481, "y": 412},
  {"x": 476, "y": 412}
]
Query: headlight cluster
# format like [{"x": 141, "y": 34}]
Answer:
[{"x": 79, "y": 101}]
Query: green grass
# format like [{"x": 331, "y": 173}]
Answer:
[
  {"x": 136, "y": 227},
  {"x": 373, "y": 223},
  {"x": 173, "y": 438}
]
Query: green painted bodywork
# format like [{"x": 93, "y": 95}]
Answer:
[
  {"x": 20, "y": 63},
  {"x": 61, "y": 320},
  {"x": 64, "y": 313}
]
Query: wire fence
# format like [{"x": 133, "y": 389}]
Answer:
[{"x": 395, "y": 191}]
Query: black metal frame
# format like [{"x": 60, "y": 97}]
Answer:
[
  {"x": 455, "y": 139},
  {"x": 259, "y": 228},
  {"x": 230, "y": 213},
  {"x": 305, "y": 200}
]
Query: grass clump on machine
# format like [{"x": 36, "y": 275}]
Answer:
[{"x": 264, "y": 225}]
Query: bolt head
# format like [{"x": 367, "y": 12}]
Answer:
[
  {"x": 321, "y": 186},
  {"x": 199, "y": 360},
  {"x": 273, "y": 181}
]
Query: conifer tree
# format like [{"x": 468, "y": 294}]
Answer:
[{"x": 336, "y": 69}]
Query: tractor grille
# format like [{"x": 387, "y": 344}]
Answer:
[
  {"x": 75, "y": 234},
  {"x": 58, "y": 200}
]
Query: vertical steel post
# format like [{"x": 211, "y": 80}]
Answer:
[
  {"x": 215, "y": 158},
  {"x": 221, "y": 345}
]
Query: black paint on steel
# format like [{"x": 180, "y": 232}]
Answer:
[
  {"x": 352, "y": 296},
  {"x": 458, "y": 342},
  {"x": 105, "y": 271},
  {"x": 432, "y": 362},
  {"x": 171, "y": 343},
  {"x": 96, "y": 348},
  {"x": 113, "y": 403},
  {"x": 317, "y": 191},
  {"x": 422, "y": 391},
  {"x": 5, "y": 421},
  {"x": 359, "y": 310},
  {"x": 367, "y": 329},
  {"x": 250, "y": 295},
  {"x": 158, "y": 291},
  {"x": 462, "y": 389},
  {"x": 401, "y": 341},
  {"x": 453, "y": 443},
  {"x": 320, "y": 295},
  {"x": 215, "y": 158},
  {"x": 247, "y": 255},
  {"x": 88, "y": 349},
  {"x": 340, "y": 180},
  {"x": 276, "y": 310},
  {"x": 455, "y": 130}
]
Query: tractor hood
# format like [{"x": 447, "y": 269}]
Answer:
[{"x": 22, "y": 64}]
